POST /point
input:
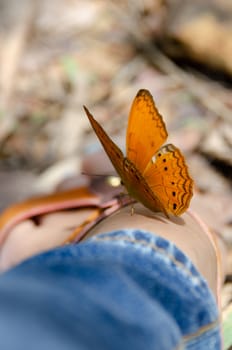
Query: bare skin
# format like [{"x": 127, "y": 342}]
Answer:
[{"x": 27, "y": 239}]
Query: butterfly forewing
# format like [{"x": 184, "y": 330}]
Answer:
[
  {"x": 146, "y": 131},
  {"x": 113, "y": 151},
  {"x": 167, "y": 176}
]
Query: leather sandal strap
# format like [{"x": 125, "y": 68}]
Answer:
[{"x": 100, "y": 195}]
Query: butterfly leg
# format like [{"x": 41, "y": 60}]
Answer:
[{"x": 132, "y": 209}]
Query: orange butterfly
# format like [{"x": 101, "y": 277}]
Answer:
[{"x": 155, "y": 175}]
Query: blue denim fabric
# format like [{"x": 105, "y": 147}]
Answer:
[{"x": 127, "y": 289}]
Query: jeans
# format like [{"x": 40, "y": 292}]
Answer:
[{"x": 125, "y": 289}]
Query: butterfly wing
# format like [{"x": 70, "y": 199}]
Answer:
[
  {"x": 114, "y": 153},
  {"x": 160, "y": 183},
  {"x": 130, "y": 176},
  {"x": 146, "y": 131},
  {"x": 168, "y": 177}
]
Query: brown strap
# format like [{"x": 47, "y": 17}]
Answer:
[
  {"x": 100, "y": 195},
  {"x": 32, "y": 207}
]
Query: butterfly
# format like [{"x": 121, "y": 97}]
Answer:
[{"x": 154, "y": 174}]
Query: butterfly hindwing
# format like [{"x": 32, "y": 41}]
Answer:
[{"x": 167, "y": 176}]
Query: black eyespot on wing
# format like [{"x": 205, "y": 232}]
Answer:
[
  {"x": 118, "y": 155},
  {"x": 125, "y": 164},
  {"x": 164, "y": 160},
  {"x": 173, "y": 193},
  {"x": 137, "y": 177},
  {"x": 173, "y": 183},
  {"x": 159, "y": 154},
  {"x": 174, "y": 206},
  {"x": 166, "y": 168}
]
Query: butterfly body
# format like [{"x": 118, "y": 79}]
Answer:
[{"x": 155, "y": 175}]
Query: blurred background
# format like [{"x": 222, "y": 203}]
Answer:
[{"x": 57, "y": 56}]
